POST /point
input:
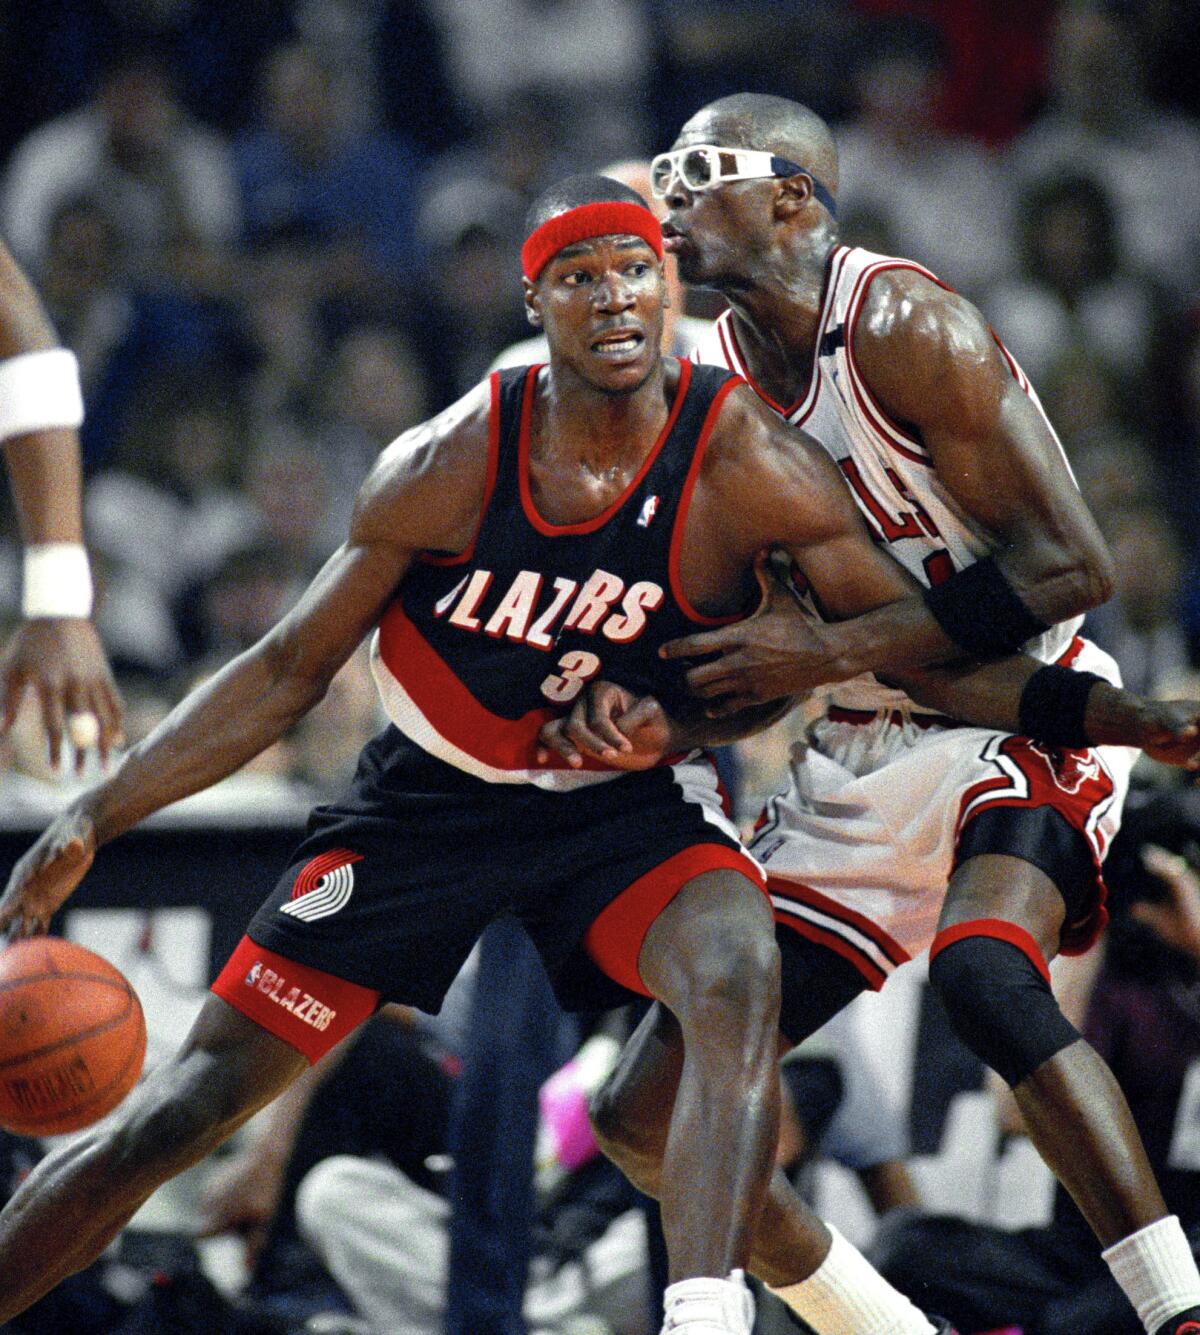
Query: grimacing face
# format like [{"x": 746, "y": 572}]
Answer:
[{"x": 600, "y": 302}]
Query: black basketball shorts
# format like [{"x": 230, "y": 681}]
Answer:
[{"x": 393, "y": 884}]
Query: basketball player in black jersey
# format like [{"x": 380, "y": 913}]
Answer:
[{"x": 475, "y": 547}]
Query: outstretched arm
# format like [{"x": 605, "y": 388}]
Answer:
[
  {"x": 424, "y": 493},
  {"x": 56, "y": 651}
]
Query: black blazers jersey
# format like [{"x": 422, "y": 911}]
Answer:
[{"x": 481, "y": 648}]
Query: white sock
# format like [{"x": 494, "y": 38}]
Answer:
[
  {"x": 846, "y": 1295},
  {"x": 709, "y": 1306},
  {"x": 1157, "y": 1271}
]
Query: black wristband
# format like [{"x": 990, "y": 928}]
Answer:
[
  {"x": 1054, "y": 704},
  {"x": 981, "y": 611}
]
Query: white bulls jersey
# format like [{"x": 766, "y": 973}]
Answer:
[{"x": 889, "y": 471}]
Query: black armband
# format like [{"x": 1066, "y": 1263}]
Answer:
[
  {"x": 981, "y": 611},
  {"x": 1054, "y": 704}
]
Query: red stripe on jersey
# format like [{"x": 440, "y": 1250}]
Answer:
[
  {"x": 450, "y": 708},
  {"x": 489, "y": 485},
  {"x": 888, "y": 946},
  {"x": 887, "y": 427},
  {"x": 685, "y": 501},
  {"x": 307, "y": 1008},
  {"x": 998, "y": 930},
  {"x": 614, "y": 940},
  {"x": 736, "y": 361},
  {"x": 598, "y": 521}
]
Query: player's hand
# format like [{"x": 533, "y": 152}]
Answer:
[
  {"x": 242, "y": 1197},
  {"x": 778, "y": 650},
  {"x": 1177, "y": 918},
  {"x": 1170, "y": 732},
  {"x": 62, "y": 660},
  {"x": 46, "y": 875},
  {"x": 610, "y": 724}
]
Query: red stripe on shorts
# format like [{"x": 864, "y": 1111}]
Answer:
[
  {"x": 306, "y": 1007},
  {"x": 614, "y": 940},
  {"x": 998, "y": 929}
]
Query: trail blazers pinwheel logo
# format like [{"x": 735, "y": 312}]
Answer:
[{"x": 324, "y": 885}]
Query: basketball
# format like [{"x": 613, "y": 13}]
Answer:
[{"x": 72, "y": 1037}]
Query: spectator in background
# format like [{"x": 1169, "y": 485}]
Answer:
[
  {"x": 122, "y": 324},
  {"x": 1099, "y": 115},
  {"x": 1175, "y": 381},
  {"x": 469, "y": 229},
  {"x": 1086, "y": 400},
  {"x": 943, "y": 199},
  {"x": 169, "y": 181},
  {"x": 373, "y": 389},
  {"x": 338, "y": 192},
  {"x": 1074, "y": 290},
  {"x": 1140, "y": 625},
  {"x": 591, "y": 58},
  {"x": 998, "y": 56},
  {"x": 1144, "y": 1018},
  {"x": 168, "y": 514},
  {"x": 712, "y": 48}
]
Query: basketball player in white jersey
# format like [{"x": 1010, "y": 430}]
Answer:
[
  {"x": 901, "y": 830},
  {"x": 55, "y": 651}
]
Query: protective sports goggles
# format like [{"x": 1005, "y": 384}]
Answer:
[{"x": 705, "y": 166}]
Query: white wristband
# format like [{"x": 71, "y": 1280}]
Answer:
[
  {"x": 58, "y": 581},
  {"x": 39, "y": 391}
]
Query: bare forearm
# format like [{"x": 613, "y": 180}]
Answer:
[
  {"x": 899, "y": 636},
  {"x": 245, "y": 707},
  {"x": 44, "y": 473},
  {"x": 24, "y": 325},
  {"x": 988, "y": 695}
]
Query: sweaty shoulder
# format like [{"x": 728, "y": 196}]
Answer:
[
  {"x": 926, "y": 352},
  {"x": 427, "y": 487},
  {"x": 772, "y": 480}
]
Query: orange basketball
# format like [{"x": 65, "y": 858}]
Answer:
[{"x": 72, "y": 1037}]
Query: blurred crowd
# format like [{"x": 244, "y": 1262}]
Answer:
[{"x": 278, "y": 234}]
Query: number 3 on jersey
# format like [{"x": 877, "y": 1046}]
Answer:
[{"x": 574, "y": 671}]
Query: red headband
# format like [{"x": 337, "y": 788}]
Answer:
[{"x": 610, "y": 218}]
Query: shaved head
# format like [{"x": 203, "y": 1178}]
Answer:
[{"x": 758, "y": 120}]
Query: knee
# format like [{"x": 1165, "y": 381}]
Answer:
[
  {"x": 998, "y": 999},
  {"x": 737, "y": 981}
]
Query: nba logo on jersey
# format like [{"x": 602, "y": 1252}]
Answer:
[
  {"x": 255, "y": 973},
  {"x": 649, "y": 510}
]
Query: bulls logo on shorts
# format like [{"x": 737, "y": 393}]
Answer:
[
  {"x": 1071, "y": 769},
  {"x": 324, "y": 885}
]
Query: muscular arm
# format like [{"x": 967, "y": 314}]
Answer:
[
  {"x": 425, "y": 492},
  {"x": 934, "y": 367},
  {"x": 766, "y": 487}
]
